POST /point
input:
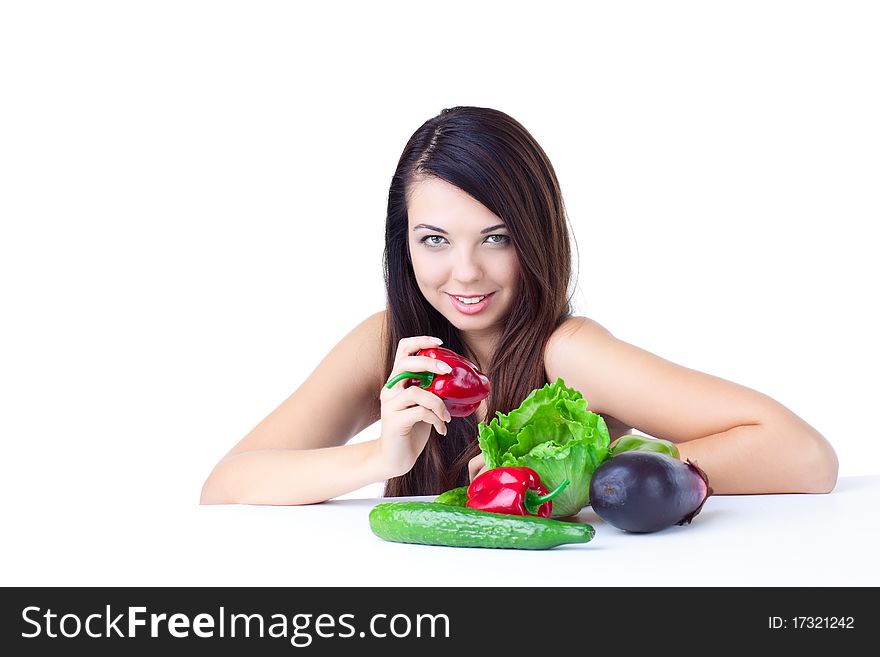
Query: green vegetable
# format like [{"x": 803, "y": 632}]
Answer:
[
  {"x": 634, "y": 443},
  {"x": 455, "y": 497},
  {"x": 553, "y": 433},
  {"x": 429, "y": 523}
]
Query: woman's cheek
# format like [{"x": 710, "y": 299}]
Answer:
[{"x": 430, "y": 272}]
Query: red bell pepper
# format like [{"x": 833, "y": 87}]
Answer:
[
  {"x": 516, "y": 490},
  {"x": 461, "y": 390}
]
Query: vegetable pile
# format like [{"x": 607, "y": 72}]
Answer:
[
  {"x": 554, "y": 434},
  {"x": 551, "y": 441}
]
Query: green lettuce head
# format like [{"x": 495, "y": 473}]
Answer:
[{"x": 553, "y": 433}]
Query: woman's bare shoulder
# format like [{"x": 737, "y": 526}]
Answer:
[
  {"x": 571, "y": 346},
  {"x": 305, "y": 420},
  {"x": 374, "y": 329},
  {"x": 360, "y": 357},
  {"x": 584, "y": 327}
]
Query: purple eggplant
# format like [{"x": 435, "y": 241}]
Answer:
[{"x": 648, "y": 491}]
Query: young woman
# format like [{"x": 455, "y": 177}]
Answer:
[{"x": 475, "y": 211}]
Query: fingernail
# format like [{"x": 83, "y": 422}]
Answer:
[
  {"x": 443, "y": 367},
  {"x": 437, "y": 340}
]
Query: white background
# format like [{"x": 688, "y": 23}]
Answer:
[{"x": 192, "y": 197}]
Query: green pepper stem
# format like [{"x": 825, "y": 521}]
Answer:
[
  {"x": 533, "y": 501},
  {"x": 425, "y": 377}
]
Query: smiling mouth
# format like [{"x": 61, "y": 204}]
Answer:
[{"x": 472, "y": 298}]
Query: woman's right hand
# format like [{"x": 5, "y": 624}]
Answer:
[{"x": 409, "y": 412}]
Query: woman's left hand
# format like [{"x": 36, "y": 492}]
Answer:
[{"x": 476, "y": 466}]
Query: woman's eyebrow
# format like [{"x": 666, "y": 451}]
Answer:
[{"x": 440, "y": 230}]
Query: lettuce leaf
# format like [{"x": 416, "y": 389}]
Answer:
[{"x": 553, "y": 433}]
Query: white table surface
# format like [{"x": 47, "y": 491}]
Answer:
[{"x": 753, "y": 540}]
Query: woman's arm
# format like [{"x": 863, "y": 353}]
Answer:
[
  {"x": 297, "y": 454},
  {"x": 293, "y": 476},
  {"x": 744, "y": 440},
  {"x": 788, "y": 457}
]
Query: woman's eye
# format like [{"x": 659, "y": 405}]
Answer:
[{"x": 430, "y": 237}]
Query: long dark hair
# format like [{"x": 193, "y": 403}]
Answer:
[{"x": 494, "y": 159}]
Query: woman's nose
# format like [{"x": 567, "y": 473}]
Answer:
[{"x": 467, "y": 268}]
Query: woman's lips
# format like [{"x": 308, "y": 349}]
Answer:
[{"x": 471, "y": 308}]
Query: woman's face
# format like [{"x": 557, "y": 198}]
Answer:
[{"x": 459, "y": 247}]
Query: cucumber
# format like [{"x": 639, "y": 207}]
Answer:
[
  {"x": 429, "y": 523},
  {"x": 455, "y": 496}
]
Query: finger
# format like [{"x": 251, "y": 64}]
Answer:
[
  {"x": 475, "y": 466},
  {"x": 415, "y": 396},
  {"x": 386, "y": 394},
  {"x": 415, "y": 364},
  {"x": 426, "y": 415},
  {"x": 409, "y": 346},
  {"x": 422, "y": 364},
  {"x": 429, "y": 400}
]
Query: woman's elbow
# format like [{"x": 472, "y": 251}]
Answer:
[
  {"x": 208, "y": 495},
  {"x": 822, "y": 467},
  {"x": 214, "y": 491}
]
